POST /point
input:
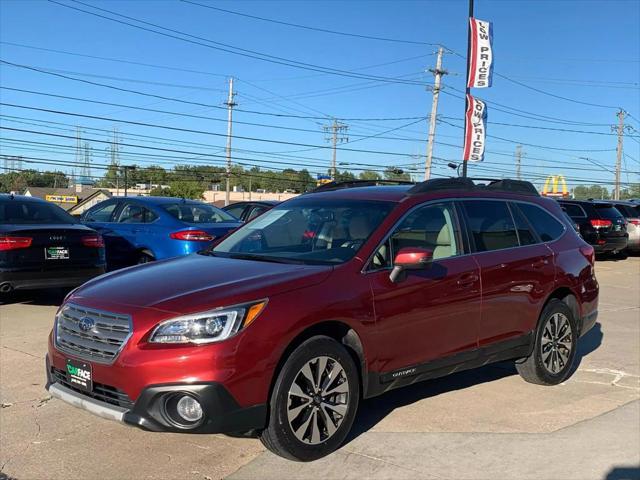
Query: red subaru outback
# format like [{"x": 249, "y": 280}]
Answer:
[{"x": 332, "y": 297}]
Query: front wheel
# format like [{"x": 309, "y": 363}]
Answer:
[
  {"x": 314, "y": 401},
  {"x": 554, "y": 350}
]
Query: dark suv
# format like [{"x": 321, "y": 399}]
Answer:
[
  {"x": 332, "y": 297},
  {"x": 600, "y": 224}
]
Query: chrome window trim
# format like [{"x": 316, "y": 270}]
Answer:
[
  {"x": 92, "y": 359},
  {"x": 365, "y": 270}
]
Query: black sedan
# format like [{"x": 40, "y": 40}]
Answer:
[
  {"x": 42, "y": 246},
  {"x": 247, "y": 211}
]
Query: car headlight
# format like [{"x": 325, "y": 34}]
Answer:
[{"x": 207, "y": 327}]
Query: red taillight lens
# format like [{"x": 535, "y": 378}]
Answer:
[
  {"x": 95, "y": 241},
  {"x": 192, "y": 236},
  {"x": 589, "y": 253},
  {"x": 597, "y": 223},
  {"x": 13, "y": 243},
  {"x": 635, "y": 221}
]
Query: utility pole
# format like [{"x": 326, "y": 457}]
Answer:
[
  {"x": 438, "y": 72},
  {"x": 518, "y": 161},
  {"x": 126, "y": 168},
  {"x": 230, "y": 104},
  {"x": 467, "y": 89},
  {"x": 336, "y": 133},
  {"x": 619, "y": 129}
]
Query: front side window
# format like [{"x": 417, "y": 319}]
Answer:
[
  {"x": 31, "y": 213},
  {"x": 548, "y": 228},
  {"x": 132, "y": 213},
  {"x": 307, "y": 230},
  {"x": 490, "y": 225},
  {"x": 256, "y": 212},
  {"x": 197, "y": 213},
  {"x": 431, "y": 227},
  {"x": 236, "y": 210}
]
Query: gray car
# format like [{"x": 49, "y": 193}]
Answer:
[{"x": 631, "y": 212}]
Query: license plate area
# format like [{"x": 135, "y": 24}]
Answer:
[
  {"x": 80, "y": 375},
  {"x": 56, "y": 253}
]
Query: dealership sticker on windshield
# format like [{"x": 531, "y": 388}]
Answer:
[
  {"x": 79, "y": 375},
  {"x": 56, "y": 253}
]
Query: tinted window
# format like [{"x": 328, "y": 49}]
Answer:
[
  {"x": 198, "y": 213},
  {"x": 548, "y": 228},
  {"x": 491, "y": 225},
  {"x": 256, "y": 212},
  {"x": 607, "y": 211},
  {"x": 526, "y": 236},
  {"x": 235, "y": 210},
  {"x": 31, "y": 213},
  {"x": 626, "y": 211},
  {"x": 132, "y": 213},
  {"x": 573, "y": 210},
  {"x": 101, "y": 213}
]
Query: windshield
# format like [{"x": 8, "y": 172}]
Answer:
[
  {"x": 307, "y": 231},
  {"x": 33, "y": 213},
  {"x": 607, "y": 211},
  {"x": 195, "y": 213}
]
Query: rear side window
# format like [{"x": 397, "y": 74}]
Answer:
[
  {"x": 32, "y": 213},
  {"x": 547, "y": 227},
  {"x": 236, "y": 211},
  {"x": 607, "y": 211},
  {"x": 132, "y": 213},
  {"x": 526, "y": 236},
  {"x": 101, "y": 213},
  {"x": 491, "y": 225},
  {"x": 574, "y": 210}
]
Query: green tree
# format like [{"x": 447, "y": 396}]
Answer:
[
  {"x": 582, "y": 192},
  {"x": 181, "y": 189},
  {"x": 369, "y": 175}
]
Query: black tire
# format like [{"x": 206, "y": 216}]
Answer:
[
  {"x": 279, "y": 436},
  {"x": 549, "y": 363},
  {"x": 145, "y": 256}
]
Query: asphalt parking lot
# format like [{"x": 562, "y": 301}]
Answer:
[{"x": 485, "y": 423}]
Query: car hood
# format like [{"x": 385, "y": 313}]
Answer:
[{"x": 195, "y": 283}]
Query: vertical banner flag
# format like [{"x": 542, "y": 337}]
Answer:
[
  {"x": 475, "y": 128},
  {"x": 480, "y": 54}
]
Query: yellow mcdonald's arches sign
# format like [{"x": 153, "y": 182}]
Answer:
[
  {"x": 552, "y": 184},
  {"x": 61, "y": 198}
]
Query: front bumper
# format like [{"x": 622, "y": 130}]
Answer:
[
  {"x": 34, "y": 279},
  {"x": 222, "y": 414}
]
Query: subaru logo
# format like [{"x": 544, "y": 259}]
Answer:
[{"x": 85, "y": 324}]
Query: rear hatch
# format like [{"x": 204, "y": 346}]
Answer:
[
  {"x": 612, "y": 222},
  {"x": 51, "y": 247}
]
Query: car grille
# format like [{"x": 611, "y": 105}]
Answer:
[
  {"x": 101, "y": 392},
  {"x": 101, "y": 342}
]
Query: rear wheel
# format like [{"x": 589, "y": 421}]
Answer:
[
  {"x": 314, "y": 401},
  {"x": 554, "y": 350}
]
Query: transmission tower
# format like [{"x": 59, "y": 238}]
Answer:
[{"x": 85, "y": 170}]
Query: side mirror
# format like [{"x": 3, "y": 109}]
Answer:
[{"x": 409, "y": 258}]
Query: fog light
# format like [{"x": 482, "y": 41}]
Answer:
[{"x": 189, "y": 409}]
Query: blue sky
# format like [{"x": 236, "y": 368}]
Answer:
[{"x": 587, "y": 51}]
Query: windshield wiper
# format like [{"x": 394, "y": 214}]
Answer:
[{"x": 264, "y": 258}]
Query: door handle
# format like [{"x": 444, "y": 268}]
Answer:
[
  {"x": 540, "y": 263},
  {"x": 467, "y": 280}
]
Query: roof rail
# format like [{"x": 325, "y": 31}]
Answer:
[
  {"x": 327, "y": 187},
  {"x": 465, "y": 183}
]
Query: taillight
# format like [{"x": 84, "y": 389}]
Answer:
[
  {"x": 8, "y": 242},
  {"x": 598, "y": 223},
  {"x": 192, "y": 236},
  {"x": 94, "y": 241},
  {"x": 635, "y": 221},
  {"x": 589, "y": 253}
]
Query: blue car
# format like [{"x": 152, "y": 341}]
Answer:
[{"x": 142, "y": 229}]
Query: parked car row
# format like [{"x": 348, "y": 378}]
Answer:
[
  {"x": 609, "y": 226},
  {"x": 281, "y": 329}
]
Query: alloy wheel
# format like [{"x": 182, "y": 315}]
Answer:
[
  {"x": 556, "y": 343},
  {"x": 318, "y": 400}
]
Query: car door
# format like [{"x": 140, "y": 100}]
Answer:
[
  {"x": 101, "y": 219},
  {"x": 433, "y": 313},
  {"x": 132, "y": 224},
  {"x": 516, "y": 268}
]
